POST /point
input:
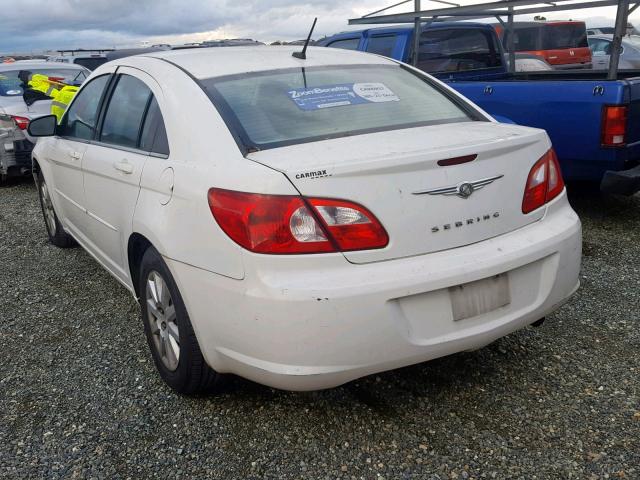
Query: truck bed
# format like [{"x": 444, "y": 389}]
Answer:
[{"x": 569, "y": 106}]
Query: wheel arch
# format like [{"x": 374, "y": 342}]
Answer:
[{"x": 137, "y": 245}]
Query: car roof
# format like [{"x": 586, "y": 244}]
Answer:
[
  {"x": 217, "y": 62},
  {"x": 40, "y": 65}
]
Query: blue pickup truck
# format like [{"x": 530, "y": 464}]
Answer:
[{"x": 594, "y": 123}]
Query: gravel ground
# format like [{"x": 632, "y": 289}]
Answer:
[{"x": 80, "y": 398}]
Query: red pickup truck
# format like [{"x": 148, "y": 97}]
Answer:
[{"x": 563, "y": 44}]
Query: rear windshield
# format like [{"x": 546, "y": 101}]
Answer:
[
  {"x": 91, "y": 63},
  {"x": 285, "y": 107},
  {"x": 11, "y": 84},
  {"x": 573, "y": 35},
  {"x": 549, "y": 37}
]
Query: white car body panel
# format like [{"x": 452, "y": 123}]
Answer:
[{"x": 315, "y": 321}]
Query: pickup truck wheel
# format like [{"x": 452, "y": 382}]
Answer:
[
  {"x": 55, "y": 231},
  {"x": 173, "y": 343}
]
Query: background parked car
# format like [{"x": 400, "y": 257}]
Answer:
[
  {"x": 600, "y": 46},
  {"x": 562, "y": 44},
  {"x": 15, "y": 143}
]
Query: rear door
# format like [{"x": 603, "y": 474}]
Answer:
[
  {"x": 113, "y": 166},
  {"x": 67, "y": 150}
]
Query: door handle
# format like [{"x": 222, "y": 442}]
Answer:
[
  {"x": 124, "y": 166},
  {"x": 75, "y": 155}
]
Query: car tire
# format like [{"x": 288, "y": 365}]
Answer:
[
  {"x": 56, "y": 233},
  {"x": 173, "y": 343}
]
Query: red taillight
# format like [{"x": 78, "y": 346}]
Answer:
[
  {"x": 284, "y": 224},
  {"x": 21, "y": 122},
  {"x": 614, "y": 126},
  {"x": 544, "y": 183}
]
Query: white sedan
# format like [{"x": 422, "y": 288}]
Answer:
[{"x": 303, "y": 223}]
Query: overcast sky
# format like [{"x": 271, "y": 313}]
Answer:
[{"x": 37, "y": 25}]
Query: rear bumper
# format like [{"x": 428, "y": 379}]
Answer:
[
  {"x": 312, "y": 323},
  {"x": 625, "y": 182},
  {"x": 15, "y": 153}
]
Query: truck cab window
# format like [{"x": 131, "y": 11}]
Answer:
[
  {"x": 382, "y": 45},
  {"x": 346, "y": 44},
  {"x": 454, "y": 50}
]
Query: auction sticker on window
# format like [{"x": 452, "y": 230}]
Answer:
[{"x": 329, "y": 96}]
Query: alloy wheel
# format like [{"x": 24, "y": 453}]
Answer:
[
  {"x": 161, "y": 315},
  {"x": 47, "y": 208}
]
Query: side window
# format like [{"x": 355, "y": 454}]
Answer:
[
  {"x": 81, "y": 119},
  {"x": 154, "y": 135},
  {"x": 127, "y": 107},
  {"x": 600, "y": 47},
  {"x": 346, "y": 44},
  {"x": 382, "y": 45}
]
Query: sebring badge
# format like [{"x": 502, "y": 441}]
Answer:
[{"x": 463, "y": 189}]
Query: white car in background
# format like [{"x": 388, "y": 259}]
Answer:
[
  {"x": 15, "y": 113},
  {"x": 303, "y": 223}
]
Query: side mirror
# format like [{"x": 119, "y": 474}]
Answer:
[{"x": 43, "y": 126}]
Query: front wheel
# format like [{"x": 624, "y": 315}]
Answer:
[
  {"x": 57, "y": 234},
  {"x": 173, "y": 343}
]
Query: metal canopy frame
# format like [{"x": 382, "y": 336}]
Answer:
[{"x": 503, "y": 9}]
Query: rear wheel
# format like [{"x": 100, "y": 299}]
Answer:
[
  {"x": 174, "y": 347},
  {"x": 57, "y": 235}
]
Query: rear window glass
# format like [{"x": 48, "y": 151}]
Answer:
[
  {"x": 285, "y": 107},
  {"x": 91, "y": 63},
  {"x": 457, "y": 50},
  {"x": 549, "y": 37},
  {"x": 12, "y": 85},
  {"x": 565, "y": 36}
]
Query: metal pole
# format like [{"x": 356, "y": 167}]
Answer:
[
  {"x": 511, "y": 42},
  {"x": 416, "y": 35},
  {"x": 616, "y": 46}
]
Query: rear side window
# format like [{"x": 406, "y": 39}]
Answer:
[
  {"x": 126, "y": 110},
  {"x": 382, "y": 45},
  {"x": 285, "y": 107},
  {"x": 82, "y": 117},
  {"x": 599, "y": 46},
  {"x": 457, "y": 50},
  {"x": 154, "y": 135},
  {"x": 346, "y": 44}
]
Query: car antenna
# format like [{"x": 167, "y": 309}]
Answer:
[{"x": 303, "y": 54}]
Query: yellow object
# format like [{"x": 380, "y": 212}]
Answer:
[
  {"x": 61, "y": 99},
  {"x": 41, "y": 83}
]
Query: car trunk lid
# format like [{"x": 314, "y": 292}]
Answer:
[{"x": 396, "y": 175}]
